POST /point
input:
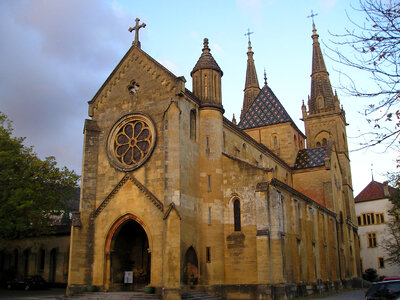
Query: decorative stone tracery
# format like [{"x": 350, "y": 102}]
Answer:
[{"x": 131, "y": 142}]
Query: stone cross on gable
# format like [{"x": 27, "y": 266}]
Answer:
[{"x": 136, "y": 28}]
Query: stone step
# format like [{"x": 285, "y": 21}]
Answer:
[
  {"x": 199, "y": 296},
  {"x": 115, "y": 296}
]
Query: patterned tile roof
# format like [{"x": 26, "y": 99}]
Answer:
[
  {"x": 265, "y": 110},
  {"x": 310, "y": 158},
  {"x": 373, "y": 191}
]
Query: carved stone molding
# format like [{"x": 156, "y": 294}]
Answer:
[{"x": 138, "y": 184}]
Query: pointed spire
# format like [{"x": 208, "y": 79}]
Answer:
[
  {"x": 251, "y": 88},
  {"x": 206, "y": 60},
  {"x": 322, "y": 98},
  {"x": 234, "y": 119}
]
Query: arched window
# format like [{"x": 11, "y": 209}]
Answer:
[
  {"x": 318, "y": 144},
  {"x": 193, "y": 124},
  {"x": 275, "y": 142},
  {"x": 42, "y": 257},
  {"x": 324, "y": 142},
  {"x": 16, "y": 260},
  {"x": 26, "y": 256},
  {"x": 236, "y": 215}
]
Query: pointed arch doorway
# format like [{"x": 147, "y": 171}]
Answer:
[
  {"x": 190, "y": 268},
  {"x": 128, "y": 257}
]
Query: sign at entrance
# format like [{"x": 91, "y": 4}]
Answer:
[{"x": 128, "y": 277}]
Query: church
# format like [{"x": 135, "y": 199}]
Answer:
[{"x": 176, "y": 197}]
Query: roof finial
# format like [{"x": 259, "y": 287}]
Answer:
[
  {"x": 205, "y": 43},
  {"x": 372, "y": 171},
  {"x": 313, "y": 24},
  {"x": 136, "y": 28},
  {"x": 248, "y": 34},
  {"x": 265, "y": 77},
  {"x": 234, "y": 119}
]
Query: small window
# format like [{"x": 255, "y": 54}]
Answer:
[
  {"x": 324, "y": 142},
  {"x": 275, "y": 142},
  {"x": 209, "y": 182},
  {"x": 193, "y": 124},
  {"x": 205, "y": 86},
  {"x": 359, "y": 220},
  {"x": 371, "y": 239},
  {"x": 380, "y": 219},
  {"x": 318, "y": 144},
  {"x": 208, "y": 254},
  {"x": 381, "y": 262},
  {"x": 236, "y": 214},
  {"x": 209, "y": 215}
]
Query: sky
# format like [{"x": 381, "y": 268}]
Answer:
[{"x": 56, "y": 54}]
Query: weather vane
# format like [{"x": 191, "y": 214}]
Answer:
[
  {"x": 136, "y": 28},
  {"x": 248, "y": 34}
]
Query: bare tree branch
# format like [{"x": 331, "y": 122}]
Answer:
[{"x": 374, "y": 49}]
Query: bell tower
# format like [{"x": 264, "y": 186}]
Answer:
[{"x": 326, "y": 120}]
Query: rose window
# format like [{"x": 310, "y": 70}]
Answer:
[{"x": 131, "y": 142}]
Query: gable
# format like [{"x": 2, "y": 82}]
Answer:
[{"x": 129, "y": 78}]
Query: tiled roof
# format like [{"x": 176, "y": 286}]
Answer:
[
  {"x": 265, "y": 110},
  {"x": 310, "y": 158},
  {"x": 373, "y": 191}
]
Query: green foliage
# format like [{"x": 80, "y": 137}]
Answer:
[
  {"x": 391, "y": 244},
  {"x": 31, "y": 190}
]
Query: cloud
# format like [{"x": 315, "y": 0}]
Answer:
[
  {"x": 54, "y": 57},
  {"x": 327, "y": 4},
  {"x": 216, "y": 48}
]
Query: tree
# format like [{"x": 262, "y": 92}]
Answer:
[
  {"x": 391, "y": 244},
  {"x": 375, "y": 49},
  {"x": 32, "y": 191}
]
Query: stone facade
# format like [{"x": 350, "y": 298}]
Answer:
[
  {"x": 47, "y": 256},
  {"x": 233, "y": 210}
]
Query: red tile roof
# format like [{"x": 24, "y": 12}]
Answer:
[{"x": 373, "y": 191}]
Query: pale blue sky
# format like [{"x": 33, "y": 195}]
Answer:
[{"x": 56, "y": 54}]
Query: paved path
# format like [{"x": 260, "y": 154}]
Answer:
[
  {"x": 346, "y": 295},
  {"x": 51, "y": 294},
  {"x": 41, "y": 294}
]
